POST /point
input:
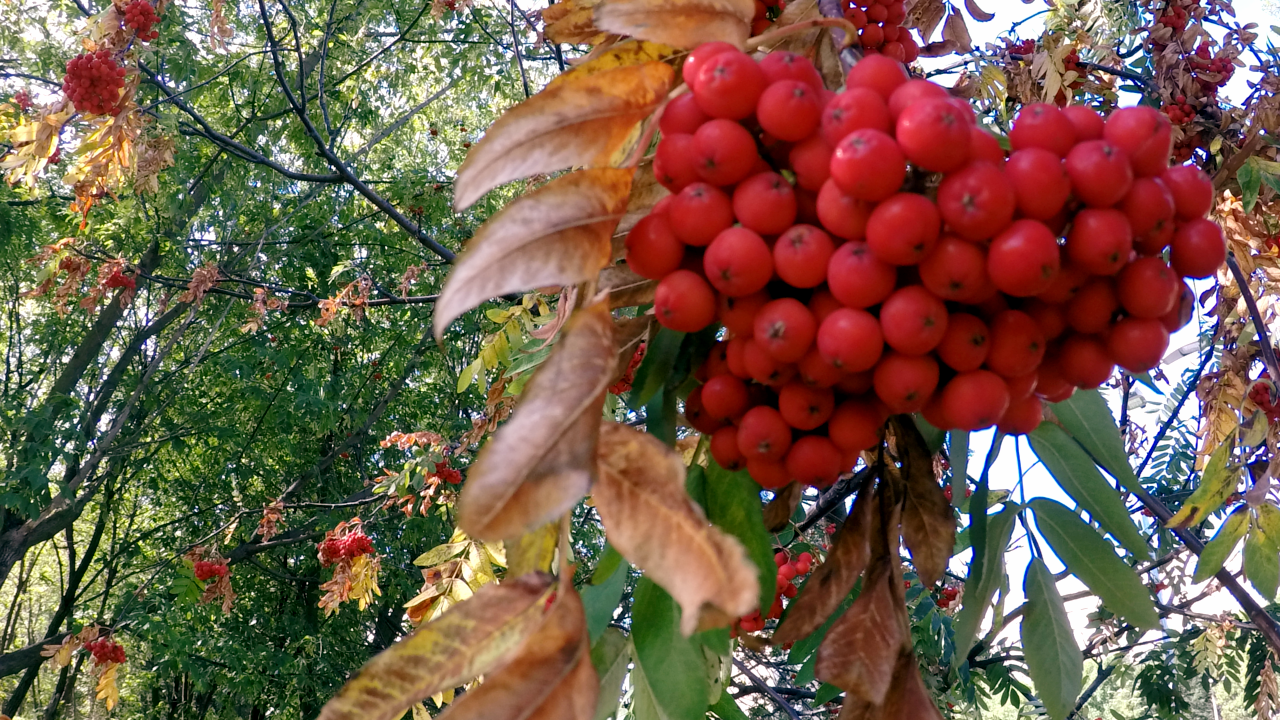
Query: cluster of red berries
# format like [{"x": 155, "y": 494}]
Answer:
[
  {"x": 105, "y": 650},
  {"x": 880, "y": 30},
  {"x": 93, "y": 83},
  {"x": 629, "y": 376},
  {"x": 844, "y": 299},
  {"x": 453, "y": 476},
  {"x": 1024, "y": 48},
  {"x": 209, "y": 569},
  {"x": 1204, "y": 65},
  {"x": 946, "y": 491},
  {"x": 22, "y": 99},
  {"x": 140, "y": 16},
  {"x": 349, "y": 546},
  {"x": 788, "y": 571},
  {"x": 947, "y": 596},
  {"x": 1174, "y": 18},
  {"x": 118, "y": 279},
  {"x": 762, "y": 21},
  {"x": 1260, "y": 393},
  {"x": 1179, "y": 111}
]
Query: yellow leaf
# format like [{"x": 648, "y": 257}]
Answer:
[
  {"x": 682, "y": 23},
  {"x": 557, "y": 235},
  {"x": 534, "y": 550},
  {"x": 462, "y": 643},
  {"x": 579, "y": 123},
  {"x": 107, "y": 689},
  {"x": 1217, "y": 482},
  {"x": 440, "y": 553},
  {"x": 623, "y": 54},
  {"x": 572, "y": 21},
  {"x": 420, "y": 712},
  {"x": 649, "y": 517},
  {"x": 542, "y": 460}
]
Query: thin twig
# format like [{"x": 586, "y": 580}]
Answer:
[
  {"x": 1259, "y": 325},
  {"x": 773, "y": 695}
]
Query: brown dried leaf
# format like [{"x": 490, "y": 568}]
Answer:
[
  {"x": 925, "y": 15},
  {"x": 467, "y": 640},
  {"x": 536, "y": 670},
  {"x": 938, "y": 49},
  {"x": 626, "y": 288},
  {"x": 570, "y": 21},
  {"x": 976, "y": 12},
  {"x": 577, "y": 123},
  {"x": 651, "y": 520},
  {"x": 535, "y": 550},
  {"x": 908, "y": 699},
  {"x": 576, "y": 696},
  {"x": 682, "y": 23},
  {"x": 832, "y": 581},
  {"x": 628, "y": 333},
  {"x": 928, "y": 523},
  {"x": 645, "y": 193},
  {"x": 955, "y": 30},
  {"x": 556, "y": 235},
  {"x": 860, "y": 650},
  {"x": 783, "y": 505},
  {"x": 542, "y": 461}
]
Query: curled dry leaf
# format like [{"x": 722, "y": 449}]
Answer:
[
  {"x": 955, "y": 30},
  {"x": 783, "y": 505},
  {"x": 938, "y": 49},
  {"x": 860, "y": 650},
  {"x": 907, "y": 696},
  {"x": 556, "y": 235},
  {"x": 925, "y": 15},
  {"x": 976, "y": 12},
  {"x": 834, "y": 579},
  {"x": 570, "y": 21},
  {"x": 543, "y": 667},
  {"x": 580, "y": 122},
  {"x": 626, "y": 288},
  {"x": 466, "y": 641},
  {"x": 928, "y": 523},
  {"x": 681, "y": 23},
  {"x": 651, "y": 520},
  {"x": 542, "y": 460}
]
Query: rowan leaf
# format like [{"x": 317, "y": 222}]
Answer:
[
  {"x": 1262, "y": 562},
  {"x": 955, "y": 30},
  {"x": 570, "y": 21},
  {"x": 1217, "y": 550},
  {"x": 601, "y": 597},
  {"x": 608, "y": 57},
  {"x": 1075, "y": 472},
  {"x": 649, "y": 517},
  {"x": 542, "y": 461},
  {"x": 533, "y": 672},
  {"x": 611, "y": 655},
  {"x": 1217, "y": 482},
  {"x": 1092, "y": 559},
  {"x": 928, "y": 523},
  {"x": 656, "y": 368},
  {"x": 733, "y": 505},
  {"x": 1086, "y": 417},
  {"x": 681, "y": 23},
  {"x": 673, "y": 664},
  {"x": 1268, "y": 518},
  {"x": 646, "y": 191},
  {"x": 783, "y": 505},
  {"x": 981, "y": 586},
  {"x": 834, "y": 579},
  {"x": 556, "y": 235},
  {"x": 625, "y": 287},
  {"x": 534, "y": 550},
  {"x": 908, "y": 697},
  {"x": 1053, "y": 657},
  {"x": 976, "y": 12},
  {"x": 578, "y": 123},
  {"x": 467, "y": 640},
  {"x": 861, "y": 648},
  {"x": 576, "y": 697}
]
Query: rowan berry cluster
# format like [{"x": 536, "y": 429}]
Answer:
[
  {"x": 1179, "y": 111},
  {"x": 624, "y": 383},
  {"x": 862, "y": 291},
  {"x": 947, "y": 596},
  {"x": 946, "y": 491},
  {"x": 93, "y": 83},
  {"x": 1174, "y": 18},
  {"x": 140, "y": 16},
  {"x": 22, "y": 99},
  {"x": 349, "y": 546},
  {"x": 788, "y": 571},
  {"x": 880, "y": 30},
  {"x": 1260, "y": 393},
  {"x": 1211, "y": 73},
  {"x": 105, "y": 650},
  {"x": 209, "y": 569},
  {"x": 453, "y": 476},
  {"x": 1025, "y": 47}
]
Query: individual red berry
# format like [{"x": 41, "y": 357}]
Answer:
[
  {"x": 855, "y": 425},
  {"x": 724, "y": 152},
  {"x": 841, "y": 214},
  {"x": 1093, "y": 307},
  {"x": 975, "y": 400},
  {"x": 913, "y": 320},
  {"x": 684, "y": 302},
  {"x": 813, "y": 460},
  {"x": 1024, "y": 259},
  {"x": 729, "y": 85},
  {"x": 1100, "y": 241},
  {"x": 1087, "y": 122},
  {"x": 782, "y": 65},
  {"x": 854, "y": 109},
  {"x": 652, "y": 249},
  {"x": 815, "y": 370},
  {"x": 857, "y": 277},
  {"x": 1017, "y": 344},
  {"x": 805, "y": 407},
  {"x": 1040, "y": 182},
  {"x": 738, "y": 262},
  {"x": 681, "y": 115},
  {"x": 763, "y": 435},
  {"x": 1023, "y": 416},
  {"x": 789, "y": 110},
  {"x": 1198, "y": 249},
  {"x": 905, "y": 383},
  {"x": 724, "y": 397},
  {"x": 699, "y": 213},
  {"x": 738, "y": 314},
  {"x": 878, "y": 73},
  {"x": 1148, "y": 288},
  {"x": 871, "y": 36},
  {"x": 1138, "y": 344},
  {"x": 675, "y": 162},
  {"x": 868, "y": 165},
  {"x": 965, "y": 344},
  {"x": 977, "y": 201},
  {"x": 785, "y": 328},
  {"x": 1145, "y": 135},
  {"x": 983, "y": 147},
  {"x": 699, "y": 57},
  {"x": 801, "y": 255},
  {"x": 851, "y": 340},
  {"x": 933, "y": 135},
  {"x": 1149, "y": 208},
  {"x": 1041, "y": 125},
  {"x": 1085, "y": 362},
  {"x": 1192, "y": 191},
  {"x": 956, "y": 270},
  {"x": 903, "y": 229},
  {"x": 811, "y": 162},
  {"x": 1100, "y": 173},
  {"x": 912, "y": 92},
  {"x": 697, "y": 415}
]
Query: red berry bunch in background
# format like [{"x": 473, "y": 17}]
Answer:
[
  {"x": 1179, "y": 111},
  {"x": 1025, "y": 47},
  {"x": 946, "y": 491},
  {"x": 624, "y": 383},
  {"x": 22, "y": 99},
  {"x": 93, "y": 83},
  {"x": 1211, "y": 72},
  {"x": 140, "y": 16},
  {"x": 1260, "y": 393},
  {"x": 947, "y": 597},
  {"x": 453, "y": 476},
  {"x": 788, "y": 571},
  {"x": 105, "y": 650},
  {"x": 210, "y": 569},
  {"x": 910, "y": 266},
  {"x": 766, "y": 12},
  {"x": 1174, "y": 18},
  {"x": 349, "y": 546},
  {"x": 880, "y": 30}
]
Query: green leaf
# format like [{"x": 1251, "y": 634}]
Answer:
[
  {"x": 601, "y": 597},
  {"x": 1074, "y": 470},
  {"x": 660, "y": 416},
  {"x": 1268, "y": 518},
  {"x": 695, "y": 483},
  {"x": 1262, "y": 563},
  {"x": 1272, "y": 181},
  {"x": 825, "y": 693},
  {"x": 1053, "y": 657},
  {"x": 659, "y": 360},
  {"x": 1250, "y": 179},
  {"x": 733, "y": 505},
  {"x": 986, "y": 573},
  {"x": 1092, "y": 559},
  {"x": 1217, "y": 550},
  {"x": 1086, "y": 417},
  {"x": 611, "y": 655},
  {"x": 670, "y": 663},
  {"x": 958, "y": 453},
  {"x": 727, "y": 709},
  {"x": 1217, "y": 482}
]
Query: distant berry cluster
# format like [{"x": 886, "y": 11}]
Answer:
[
  {"x": 788, "y": 571},
  {"x": 93, "y": 83},
  {"x": 140, "y": 17},
  {"x": 209, "y": 569},
  {"x": 105, "y": 650},
  {"x": 349, "y": 546}
]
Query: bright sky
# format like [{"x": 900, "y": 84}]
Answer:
[{"x": 1037, "y": 482}]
